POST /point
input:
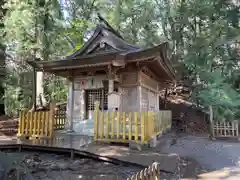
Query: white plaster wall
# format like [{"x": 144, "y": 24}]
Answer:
[
  {"x": 144, "y": 100},
  {"x": 81, "y": 125},
  {"x": 152, "y": 96},
  {"x": 130, "y": 99},
  {"x": 149, "y": 100},
  {"x": 78, "y": 105}
]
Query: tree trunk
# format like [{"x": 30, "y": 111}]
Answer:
[
  {"x": 2, "y": 90},
  {"x": 211, "y": 135},
  {"x": 2, "y": 104},
  {"x": 40, "y": 100}
]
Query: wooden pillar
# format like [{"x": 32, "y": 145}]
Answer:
[
  {"x": 211, "y": 123},
  {"x": 34, "y": 92},
  {"x": 110, "y": 85},
  {"x": 70, "y": 106},
  {"x": 40, "y": 99},
  {"x": 139, "y": 92},
  {"x": 83, "y": 104},
  {"x": 110, "y": 90},
  {"x": 139, "y": 98},
  {"x": 102, "y": 101}
]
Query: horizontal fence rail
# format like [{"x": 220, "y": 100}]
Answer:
[
  {"x": 126, "y": 127},
  {"x": 225, "y": 129},
  {"x": 38, "y": 124},
  {"x": 150, "y": 173}
]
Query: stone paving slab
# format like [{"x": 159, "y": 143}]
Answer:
[{"x": 225, "y": 173}]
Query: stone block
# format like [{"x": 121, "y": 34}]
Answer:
[
  {"x": 159, "y": 136},
  {"x": 153, "y": 142},
  {"x": 136, "y": 146}
]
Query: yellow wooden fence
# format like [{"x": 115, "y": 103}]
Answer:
[
  {"x": 39, "y": 124},
  {"x": 163, "y": 121},
  {"x": 150, "y": 173},
  {"x": 132, "y": 126}
]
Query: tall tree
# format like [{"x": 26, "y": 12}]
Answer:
[
  {"x": 33, "y": 31},
  {"x": 2, "y": 60},
  {"x": 200, "y": 32}
]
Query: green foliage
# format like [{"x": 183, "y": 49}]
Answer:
[
  {"x": 200, "y": 34},
  {"x": 32, "y": 30},
  {"x": 57, "y": 90},
  {"x": 203, "y": 35},
  {"x": 14, "y": 89}
]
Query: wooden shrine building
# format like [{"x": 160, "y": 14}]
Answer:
[{"x": 121, "y": 76}]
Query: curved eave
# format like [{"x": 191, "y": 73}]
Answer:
[
  {"x": 158, "y": 53},
  {"x": 74, "y": 63}
]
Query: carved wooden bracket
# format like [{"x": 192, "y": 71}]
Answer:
[{"x": 119, "y": 61}]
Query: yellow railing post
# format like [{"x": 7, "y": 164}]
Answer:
[
  {"x": 96, "y": 119},
  {"x": 101, "y": 122},
  {"x": 130, "y": 126},
  {"x": 113, "y": 125},
  {"x": 39, "y": 124},
  {"x": 107, "y": 125},
  {"x": 170, "y": 116},
  {"x": 152, "y": 121},
  {"x": 136, "y": 126},
  {"x": 34, "y": 123},
  {"x": 51, "y": 118},
  {"x": 123, "y": 126},
  {"x": 143, "y": 127},
  {"x": 30, "y": 121},
  {"x": 158, "y": 121},
  {"x": 118, "y": 125},
  {"x": 21, "y": 124}
]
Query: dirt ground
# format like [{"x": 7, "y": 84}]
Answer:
[
  {"x": 197, "y": 155},
  {"x": 206, "y": 155},
  {"x": 42, "y": 166},
  {"x": 210, "y": 154}
]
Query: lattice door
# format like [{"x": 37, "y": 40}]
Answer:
[{"x": 100, "y": 95}]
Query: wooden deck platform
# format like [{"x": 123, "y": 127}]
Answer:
[{"x": 75, "y": 144}]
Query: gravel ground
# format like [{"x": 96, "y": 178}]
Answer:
[
  {"x": 197, "y": 155},
  {"x": 212, "y": 155},
  {"x": 42, "y": 166}
]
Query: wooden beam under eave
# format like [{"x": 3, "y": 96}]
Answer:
[
  {"x": 93, "y": 70},
  {"x": 149, "y": 73},
  {"x": 163, "y": 85},
  {"x": 152, "y": 69},
  {"x": 76, "y": 71},
  {"x": 162, "y": 65}
]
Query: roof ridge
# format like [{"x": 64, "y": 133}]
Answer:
[{"x": 106, "y": 25}]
